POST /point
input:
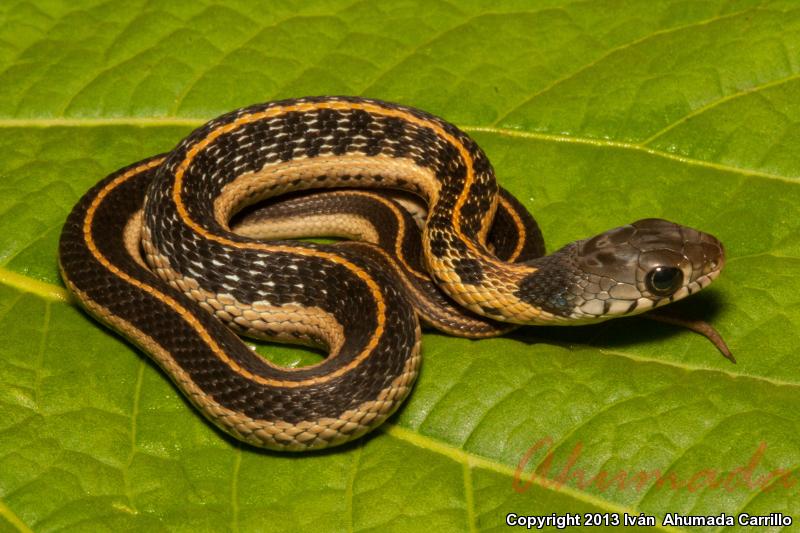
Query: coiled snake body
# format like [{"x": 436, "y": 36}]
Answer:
[{"x": 359, "y": 301}]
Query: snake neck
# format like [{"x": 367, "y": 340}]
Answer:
[{"x": 531, "y": 292}]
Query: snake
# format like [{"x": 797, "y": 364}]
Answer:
[{"x": 159, "y": 252}]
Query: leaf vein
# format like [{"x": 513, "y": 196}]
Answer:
[
  {"x": 716, "y": 103},
  {"x": 463, "y": 457},
  {"x": 23, "y": 283},
  {"x": 612, "y": 51},
  {"x": 349, "y": 491},
  {"x": 237, "y": 463},
  {"x": 13, "y": 519},
  {"x": 633, "y": 147}
]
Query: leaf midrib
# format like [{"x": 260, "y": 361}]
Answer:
[{"x": 588, "y": 141}]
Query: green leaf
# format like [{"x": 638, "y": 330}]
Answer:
[{"x": 594, "y": 114}]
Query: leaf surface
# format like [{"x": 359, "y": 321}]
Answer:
[{"x": 593, "y": 114}]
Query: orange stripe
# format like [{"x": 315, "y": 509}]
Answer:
[
  {"x": 185, "y": 313},
  {"x": 401, "y": 230},
  {"x": 521, "y": 234}
]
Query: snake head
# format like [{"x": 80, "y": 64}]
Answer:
[{"x": 633, "y": 268}]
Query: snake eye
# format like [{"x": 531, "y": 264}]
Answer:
[{"x": 663, "y": 281}]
